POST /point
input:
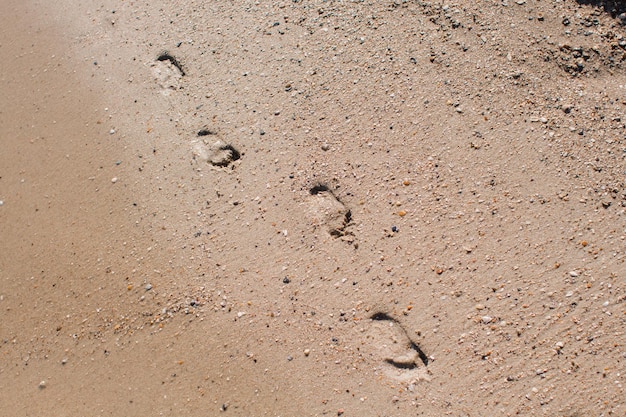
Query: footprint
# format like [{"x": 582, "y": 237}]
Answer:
[
  {"x": 388, "y": 343},
  {"x": 167, "y": 72},
  {"x": 217, "y": 154},
  {"x": 327, "y": 211}
]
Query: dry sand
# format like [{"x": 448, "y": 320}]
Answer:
[{"x": 353, "y": 208}]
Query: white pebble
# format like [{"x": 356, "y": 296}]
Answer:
[{"x": 114, "y": 180}]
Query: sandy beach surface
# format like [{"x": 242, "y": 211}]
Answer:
[{"x": 312, "y": 208}]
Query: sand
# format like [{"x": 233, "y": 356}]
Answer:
[{"x": 312, "y": 208}]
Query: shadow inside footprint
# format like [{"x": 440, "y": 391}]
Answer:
[{"x": 172, "y": 60}]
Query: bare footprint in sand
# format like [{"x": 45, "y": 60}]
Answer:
[
  {"x": 167, "y": 72},
  {"x": 387, "y": 343},
  {"x": 217, "y": 154},
  {"x": 324, "y": 209}
]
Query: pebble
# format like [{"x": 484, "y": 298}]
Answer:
[
  {"x": 42, "y": 384},
  {"x": 486, "y": 319},
  {"x": 148, "y": 287},
  {"x": 479, "y": 307},
  {"x": 114, "y": 180},
  {"x": 241, "y": 314},
  {"x": 1, "y": 202},
  {"x": 325, "y": 146},
  {"x": 307, "y": 352},
  {"x": 286, "y": 280},
  {"x": 289, "y": 358},
  {"x": 573, "y": 274}
]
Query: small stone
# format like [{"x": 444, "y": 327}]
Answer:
[
  {"x": 1, "y": 203},
  {"x": 573, "y": 274},
  {"x": 241, "y": 314},
  {"x": 394, "y": 229},
  {"x": 325, "y": 146},
  {"x": 486, "y": 319},
  {"x": 290, "y": 358},
  {"x": 148, "y": 287},
  {"x": 307, "y": 352},
  {"x": 112, "y": 131},
  {"x": 43, "y": 384},
  {"x": 479, "y": 307},
  {"x": 286, "y": 280},
  {"x": 114, "y": 180}
]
